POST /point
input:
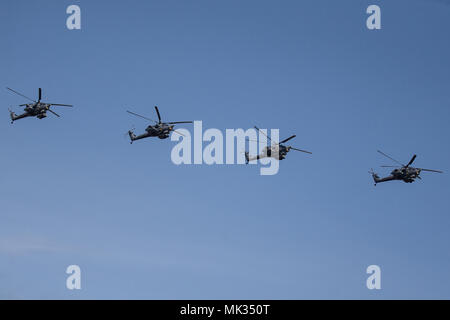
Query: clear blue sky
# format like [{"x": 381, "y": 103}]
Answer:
[{"x": 74, "y": 191}]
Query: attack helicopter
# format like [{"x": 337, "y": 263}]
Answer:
[
  {"x": 160, "y": 129},
  {"x": 36, "y": 109},
  {"x": 276, "y": 150},
  {"x": 406, "y": 173}
]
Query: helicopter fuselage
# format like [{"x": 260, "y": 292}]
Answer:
[
  {"x": 407, "y": 175},
  {"x": 278, "y": 152},
  {"x": 160, "y": 130},
  {"x": 38, "y": 110}
]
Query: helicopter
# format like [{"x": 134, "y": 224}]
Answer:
[
  {"x": 276, "y": 150},
  {"x": 402, "y": 172},
  {"x": 160, "y": 129},
  {"x": 36, "y": 109}
]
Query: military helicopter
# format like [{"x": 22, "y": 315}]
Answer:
[
  {"x": 402, "y": 172},
  {"x": 160, "y": 129},
  {"x": 276, "y": 150},
  {"x": 36, "y": 109}
]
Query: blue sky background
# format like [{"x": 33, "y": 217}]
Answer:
[{"x": 74, "y": 191}]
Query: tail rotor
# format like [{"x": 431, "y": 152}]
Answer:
[
  {"x": 12, "y": 115},
  {"x": 375, "y": 177},
  {"x": 130, "y": 134}
]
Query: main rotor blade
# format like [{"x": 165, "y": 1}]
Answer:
[
  {"x": 54, "y": 113},
  {"x": 138, "y": 115},
  {"x": 286, "y": 140},
  {"x": 411, "y": 161},
  {"x": 40, "y": 94},
  {"x": 389, "y": 166},
  {"x": 301, "y": 150},
  {"x": 259, "y": 141},
  {"x": 429, "y": 170},
  {"x": 175, "y": 122},
  {"x": 384, "y": 154},
  {"x": 61, "y": 105},
  {"x": 20, "y": 94},
  {"x": 263, "y": 133},
  {"x": 179, "y": 133},
  {"x": 157, "y": 112}
]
